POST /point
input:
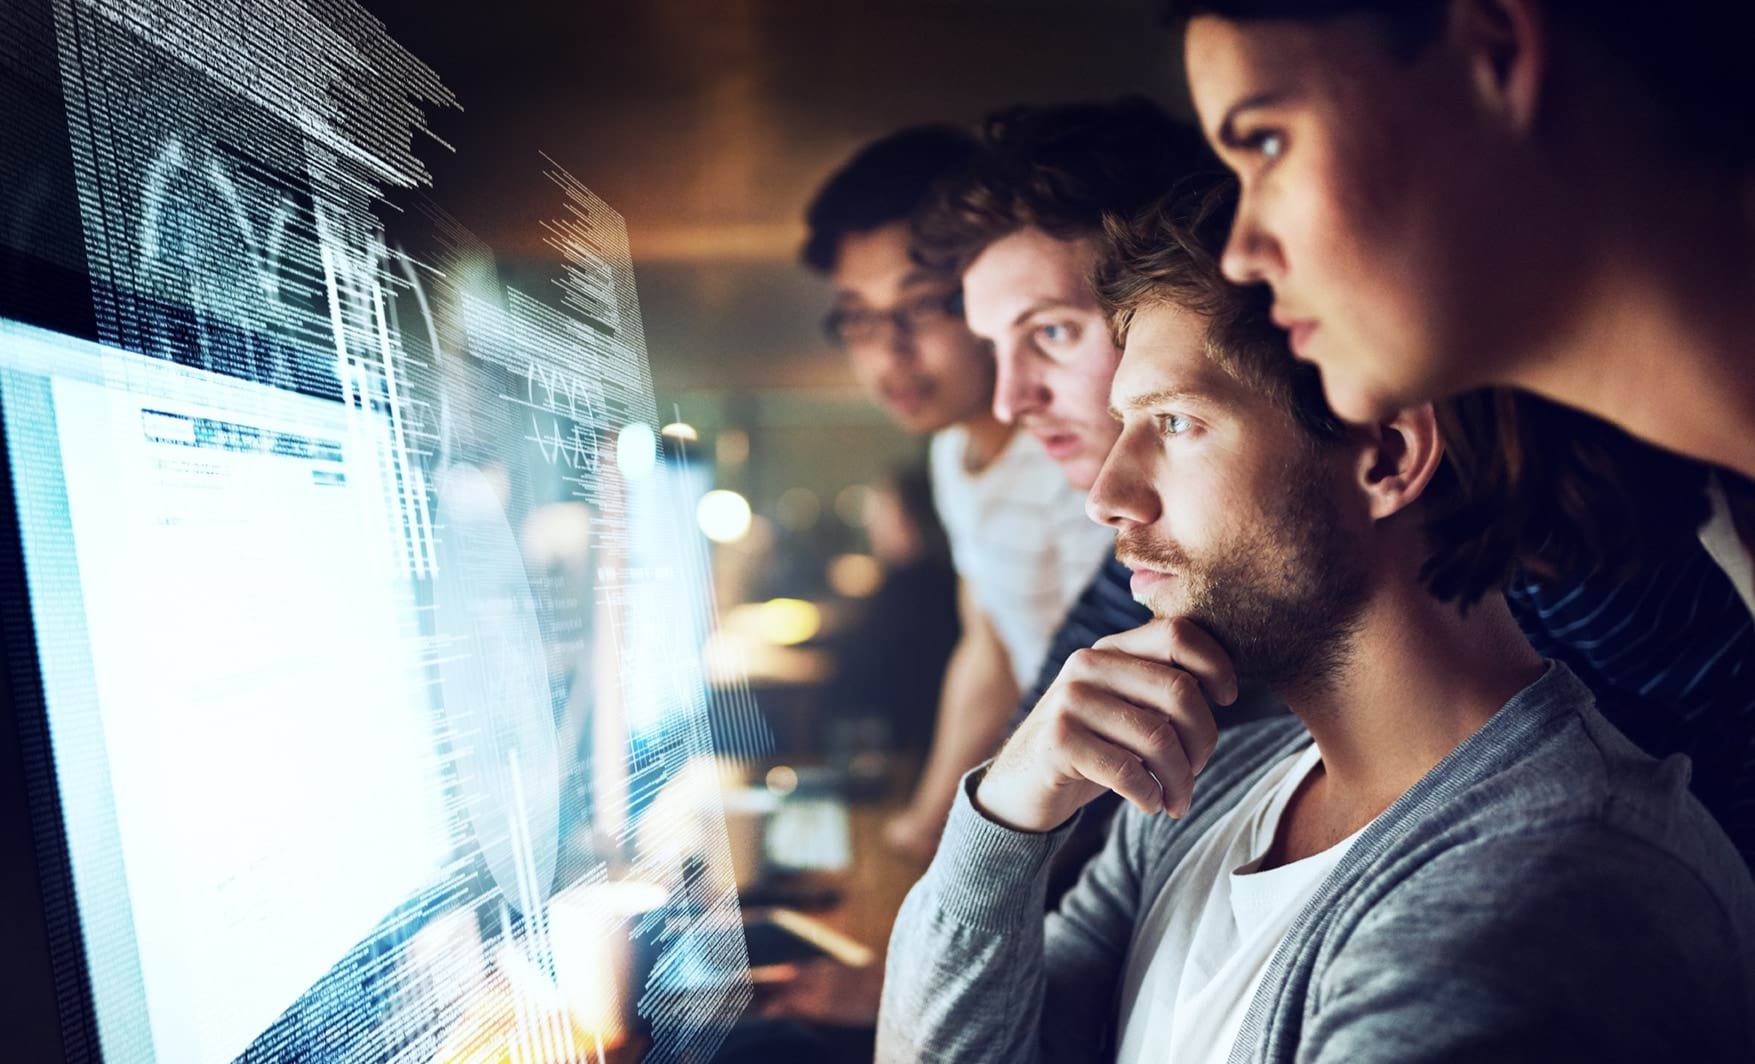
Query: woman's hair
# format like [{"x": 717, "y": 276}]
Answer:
[
  {"x": 1691, "y": 56},
  {"x": 1553, "y": 491}
]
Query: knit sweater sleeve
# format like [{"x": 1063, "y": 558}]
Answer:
[
  {"x": 976, "y": 974},
  {"x": 1449, "y": 967}
]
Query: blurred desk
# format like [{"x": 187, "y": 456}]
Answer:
[
  {"x": 871, "y": 888},
  {"x": 823, "y": 1012}
]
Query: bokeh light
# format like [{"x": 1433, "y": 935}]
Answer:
[{"x": 724, "y": 516}]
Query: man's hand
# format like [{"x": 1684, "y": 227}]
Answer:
[{"x": 1131, "y": 715}]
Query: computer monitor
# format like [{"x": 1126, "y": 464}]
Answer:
[
  {"x": 259, "y": 828},
  {"x": 210, "y": 619}
]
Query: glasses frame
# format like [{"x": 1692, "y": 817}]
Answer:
[{"x": 905, "y": 320}]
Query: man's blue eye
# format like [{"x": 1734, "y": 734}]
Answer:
[
  {"x": 1055, "y": 332},
  {"x": 1172, "y": 424}
]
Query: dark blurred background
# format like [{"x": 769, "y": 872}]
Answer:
[{"x": 709, "y": 125}]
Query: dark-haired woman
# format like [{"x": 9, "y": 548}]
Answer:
[{"x": 1553, "y": 196}]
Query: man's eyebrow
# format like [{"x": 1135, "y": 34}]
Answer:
[
  {"x": 1036, "y": 308},
  {"x": 1227, "y": 131},
  {"x": 1150, "y": 399}
]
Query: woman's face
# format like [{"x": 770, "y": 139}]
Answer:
[{"x": 1379, "y": 199}]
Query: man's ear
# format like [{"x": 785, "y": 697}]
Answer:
[
  {"x": 1505, "y": 46},
  {"x": 1399, "y": 461}
]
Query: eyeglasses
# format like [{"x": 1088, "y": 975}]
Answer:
[{"x": 858, "y": 325}]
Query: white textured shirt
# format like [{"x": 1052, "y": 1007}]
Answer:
[
  {"x": 1019, "y": 539},
  {"x": 1206, "y": 941}
]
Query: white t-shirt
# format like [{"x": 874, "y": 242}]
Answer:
[
  {"x": 1202, "y": 950},
  {"x": 1019, "y": 539}
]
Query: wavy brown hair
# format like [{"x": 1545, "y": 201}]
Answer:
[
  {"x": 1059, "y": 169},
  {"x": 1691, "y": 57}
]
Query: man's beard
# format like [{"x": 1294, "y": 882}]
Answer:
[{"x": 1284, "y": 601}]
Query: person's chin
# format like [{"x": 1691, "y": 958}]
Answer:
[
  {"x": 920, "y": 421},
  {"x": 1151, "y": 607},
  {"x": 1079, "y": 467},
  {"x": 1082, "y": 474},
  {"x": 1355, "y": 398},
  {"x": 1157, "y": 600}
]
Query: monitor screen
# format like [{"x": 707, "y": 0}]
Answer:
[
  {"x": 215, "y": 584},
  {"x": 326, "y": 768}
]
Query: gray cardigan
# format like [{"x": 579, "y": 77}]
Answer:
[{"x": 1546, "y": 893}]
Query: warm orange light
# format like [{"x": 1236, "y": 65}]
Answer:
[{"x": 855, "y": 575}]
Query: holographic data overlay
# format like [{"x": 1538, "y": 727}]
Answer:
[{"x": 369, "y": 615}]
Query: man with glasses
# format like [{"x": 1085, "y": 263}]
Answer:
[{"x": 1019, "y": 538}]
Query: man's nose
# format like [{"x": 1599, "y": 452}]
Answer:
[
  {"x": 1123, "y": 495},
  {"x": 899, "y": 348},
  {"x": 1016, "y": 389}
]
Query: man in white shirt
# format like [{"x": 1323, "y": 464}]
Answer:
[
  {"x": 1019, "y": 540},
  {"x": 1022, "y": 227}
]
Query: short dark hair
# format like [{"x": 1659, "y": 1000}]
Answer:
[
  {"x": 1691, "y": 56},
  {"x": 1059, "y": 169},
  {"x": 1169, "y": 254},
  {"x": 888, "y": 180},
  {"x": 1525, "y": 483}
]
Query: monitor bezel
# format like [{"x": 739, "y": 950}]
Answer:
[{"x": 47, "y": 980}]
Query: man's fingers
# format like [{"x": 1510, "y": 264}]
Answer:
[
  {"x": 1147, "y": 734},
  {"x": 1131, "y": 715},
  {"x": 1166, "y": 690},
  {"x": 1108, "y": 765},
  {"x": 1181, "y": 642}
]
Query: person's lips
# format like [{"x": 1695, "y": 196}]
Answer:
[
  {"x": 1145, "y": 579},
  {"x": 1060, "y": 439},
  {"x": 1298, "y": 337},
  {"x": 1298, "y": 331},
  {"x": 1060, "y": 445},
  {"x": 1144, "y": 576},
  {"x": 907, "y": 397}
]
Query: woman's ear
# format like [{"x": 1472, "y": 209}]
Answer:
[
  {"x": 1505, "y": 43},
  {"x": 1399, "y": 460}
]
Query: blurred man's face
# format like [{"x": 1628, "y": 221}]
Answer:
[
  {"x": 1029, "y": 296},
  {"x": 904, "y": 338},
  {"x": 1226, "y": 510},
  {"x": 1391, "y": 213}
]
